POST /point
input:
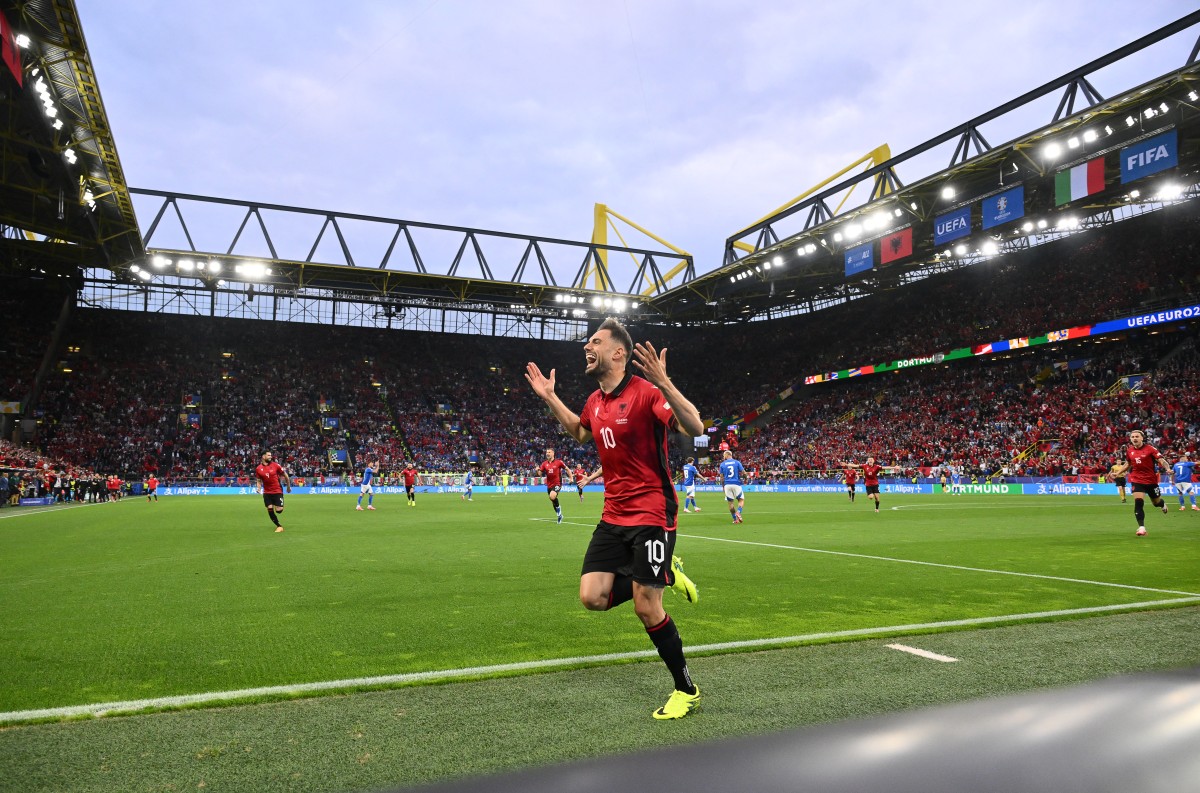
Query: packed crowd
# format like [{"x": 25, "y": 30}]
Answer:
[
  {"x": 452, "y": 402},
  {"x": 1023, "y": 417}
]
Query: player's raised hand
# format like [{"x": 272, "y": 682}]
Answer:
[
  {"x": 652, "y": 363},
  {"x": 542, "y": 386}
]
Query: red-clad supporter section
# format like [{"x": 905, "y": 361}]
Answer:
[{"x": 199, "y": 398}]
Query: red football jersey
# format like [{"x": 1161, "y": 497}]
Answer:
[
  {"x": 631, "y": 427},
  {"x": 151, "y": 483},
  {"x": 410, "y": 476},
  {"x": 871, "y": 474},
  {"x": 851, "y": 476},
  {"x": 553, "y": 471},
  {"x": 1143, "y": 464},
  {"x": 269, "y": 476},
  {"x": 580, "y": 475}
]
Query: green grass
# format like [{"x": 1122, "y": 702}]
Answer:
[
  {"x": 190, "y": 595},
  {"x": 133, "y": 600}
]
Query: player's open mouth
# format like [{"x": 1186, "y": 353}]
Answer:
[{"x": 590, "y": 358}]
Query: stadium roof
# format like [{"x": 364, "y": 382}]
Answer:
[
  {"x": 796, "y": 260},
  {"x": 789, "y": 263},
  {"x": 63, "y": 198}
]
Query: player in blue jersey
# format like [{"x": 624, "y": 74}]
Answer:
[
  {"x": 1182, "y": 474},
  {"x": 468, "y": 486},
  {"x": 690, "y": 475},
  {"x": 367, "y": 485},
  {"x": 731, "y": 477}
]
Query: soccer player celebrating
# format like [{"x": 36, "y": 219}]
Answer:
[
  {"x": 870, "y": 472},
  {"x": 1182, "y": 471},
  {"x": 410, "y": 481},
  {"x": 850, "y": 477},
  {"x": 553, "y": 469},
  {"x": 690, "y": 474},
  {"x": 269, "y": 473},
  {"x": 468, "y": 486},
  {"x": 1141, "y": 461},
  {"x": 152, "y": 490},
  {"x": 731, "y": 478},
  {"x": 630, "y": 556},
  {"x": 367, "y": 485}
]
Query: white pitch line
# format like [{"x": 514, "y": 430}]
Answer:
[
  {"x": 940, "y": 564},
  {"x": 131, "y": 706},
  {"x": 904, "y": 648},
  {"x": 39, "y": 510}
]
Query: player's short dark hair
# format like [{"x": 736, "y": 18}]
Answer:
[{"x": 619, "y": 333}]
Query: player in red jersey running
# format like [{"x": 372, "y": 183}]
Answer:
[
  {"x": 581, "y": 479},
  {"x": 850, "y": 477},
  {"x": 152, "y": 488},
  {"x": 553, "y": 470},
  {"x": 870, "y": 472},
  {"x": 269, "y": 473},
  {"x": 1141, "y": 463},
  {"x": 630, "y": 554},
  {"x": 410, "y": 483}
]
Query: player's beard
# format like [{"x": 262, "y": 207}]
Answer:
[{"x": 598, "y": 369}]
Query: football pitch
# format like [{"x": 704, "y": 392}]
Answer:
[{"x": 195, "y": 601}]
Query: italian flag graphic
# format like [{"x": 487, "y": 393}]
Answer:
[{"x": 1079, "y": 182}]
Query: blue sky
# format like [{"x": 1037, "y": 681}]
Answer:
[{"x": 692, "y": 118}]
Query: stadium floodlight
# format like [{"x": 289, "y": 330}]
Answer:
[
  {"x": 135, "y": 269},
  {"x": 898, "y": 212},
  {"x": 1072, "y": 142},
  {"x": 1192, "y": 95},
  {"x": 220, "y": 282},
  {"x": 1068, "y": 223},
  {"x": 1027, "y": 226},
  {"x": 1170, "y": 191},
  {"x": 948, "y": 193},
  {"x": 201, "y": 266},
  {"x": 597, "y": 302},
  {"x": 960, "y": 250},
  {"x": 766, "y": 265},
  {"x": 1052, "y": 151},
  {"x": 1041, "y": 224},
  {"x": 618, "y": 305},
  {"x": 22, "y": 41},
  {"x": 57, "y": 123},
  {"x": 69, "y": 154},
  {"x": 732, "y": 279},
  {"x": 837, "y": 236},
  {"x": 251, "y": 269},
  {"x": 810, "y": 248},
  {"x": 1130, "y": 121},
  {"x": 51, "y": 111},
  {"x": 991, "y": 248},
  {"x": 1090, "y": 135},
  {"x": 1135, "y": 193},
  {"x": 160, "y": 261},
  {"x": 214, "y": 266},
  {"x": 579, "y": 313},
  {"x": 186, "y": 265},
  {"x": 777, "y": 261},
  {"x": 634, "y": 305},
  {"x": 607, "y": 302},
  {"x": 1149, "y": 112},
  {"x": 853, "y": 231},
  {"x": 558, "y": 298},
  {"x": 1108, "y": 130},
  {"x": 1163, "y": 107},
  {"x": 145, "y": 276}
]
